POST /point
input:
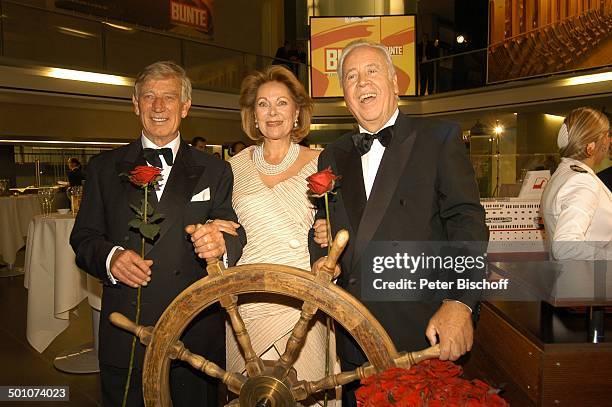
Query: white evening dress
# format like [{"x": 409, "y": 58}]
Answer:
[{"x": 277, "y": 221}]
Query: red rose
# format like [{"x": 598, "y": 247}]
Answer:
[
  {"x": 440, "y": 369},
  {"x": 432, "y": 383},
  {"x": 322, "y": 182},
  {"x": 143, "y": 175}
]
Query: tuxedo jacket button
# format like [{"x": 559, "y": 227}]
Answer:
[
  {"x": 126, "y": 238},
  {"x": 177, "y": 272},
  {"x": 352, "y": 281}
]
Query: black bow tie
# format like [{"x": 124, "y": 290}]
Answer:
[
  {"x": 363, "y": 141},
  {"x": 152, "y": 156}
]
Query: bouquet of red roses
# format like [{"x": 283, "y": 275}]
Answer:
[{"x": 431, "y": 383}]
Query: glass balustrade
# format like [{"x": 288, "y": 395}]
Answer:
[{"x": 52, "y": 38}]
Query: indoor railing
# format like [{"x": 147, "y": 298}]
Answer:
[{"x": 37, "y": 35}]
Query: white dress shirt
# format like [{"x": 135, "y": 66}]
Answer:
[
  {"x": 165, "y": 173},
  {"x": 370, "y": 161}
]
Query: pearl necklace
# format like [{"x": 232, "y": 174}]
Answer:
[{"x": 275, "y": 169}]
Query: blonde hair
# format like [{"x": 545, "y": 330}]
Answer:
[
  {"x": 162, "y": 70},
  {"x": 585, "y": 125},
  {"x": 248, "y": 96}
]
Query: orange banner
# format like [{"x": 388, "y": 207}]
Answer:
[{"x": 329, "y": 36}]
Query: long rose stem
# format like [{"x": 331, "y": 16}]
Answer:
[
  {"x": 133, "y": 350},
  {"x": 327, "y": 322},
  {"x": 329, "y": 233}
]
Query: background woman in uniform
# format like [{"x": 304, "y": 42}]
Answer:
[{"x": 576, "y": 205}]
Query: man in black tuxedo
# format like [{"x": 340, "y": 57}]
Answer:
[
  {"x": 410, "y": 182},
  {"x": 195, "y": 187}
]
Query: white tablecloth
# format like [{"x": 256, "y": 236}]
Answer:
[
  {"x": 55, "y": 284},
  {"x": 16, "y": 212}
]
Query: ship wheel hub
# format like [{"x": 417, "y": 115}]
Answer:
[{"x": 265, "y": 391}]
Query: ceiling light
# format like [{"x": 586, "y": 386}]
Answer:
[
  {"x": 460, "y": 39},
  {"x": 554, "y": 117},
  {"x": 85, "y": 76},
  {"x": 498, "y": 129},
  {"x": 117, "y": 26},
  {"x": 330, "y": 126},
  {"x": 583, "y": 79},
  {"x": 80, "y": 143},
  {"x": 75, "y": 33}
]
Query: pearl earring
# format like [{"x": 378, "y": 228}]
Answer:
[
  {"x": 295, "y": 124},
  {"x": 256, "y": 125}
]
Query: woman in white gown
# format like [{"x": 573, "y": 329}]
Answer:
[{"x": 271, "y": 201}]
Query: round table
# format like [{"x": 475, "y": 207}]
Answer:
[
  {"x": 15, "y": 215},
  {"x": 55, "y": 284}
]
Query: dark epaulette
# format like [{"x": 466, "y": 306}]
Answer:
[{"x": 578, "y": 168}]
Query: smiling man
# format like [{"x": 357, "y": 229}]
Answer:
[
  {"x": 403, "y": 179},
  {"x": 194, "y": 187}
]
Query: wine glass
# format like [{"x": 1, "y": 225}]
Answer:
[
  {"x": 75, "y": 198},
  {"x": 50, "y": 198},
  {"x": 42, "y": 198},
  {"x": 46, "y": 196}
]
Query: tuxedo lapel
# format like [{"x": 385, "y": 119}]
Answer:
[
  {"x": 178, "y": 189},
  {"x": 351, "y": 185},
  {"x": 391, "y": 169}
]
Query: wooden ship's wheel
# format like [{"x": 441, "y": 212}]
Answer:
[{"x": 265, "y": 385}]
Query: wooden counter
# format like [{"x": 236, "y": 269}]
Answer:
[{"x": 540, "y": 355}]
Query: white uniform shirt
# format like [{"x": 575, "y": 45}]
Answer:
[{"x": 577, "y": 207}]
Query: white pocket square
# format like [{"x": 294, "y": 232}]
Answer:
[{"x": 201, "y": 196}]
